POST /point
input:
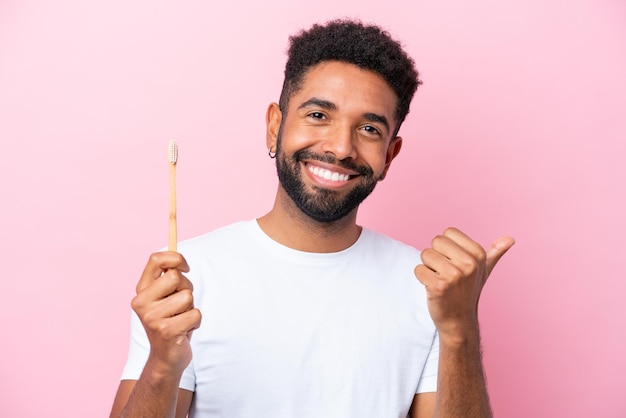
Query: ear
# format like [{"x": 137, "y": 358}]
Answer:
[
  {"x": 273, "y": 119},
  {"x": 392, "y": 151}
]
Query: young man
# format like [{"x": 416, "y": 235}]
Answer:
[{"x": 304, "y": 312}]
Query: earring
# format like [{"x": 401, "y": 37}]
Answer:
[{"x": 271, "y": 153}]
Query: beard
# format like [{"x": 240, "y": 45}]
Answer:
[{"x": 322, "y": 205}]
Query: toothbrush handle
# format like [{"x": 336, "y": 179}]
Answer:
[{"x": 172, "y": 226}]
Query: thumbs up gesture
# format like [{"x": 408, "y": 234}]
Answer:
[{"x": 454, "y": 271}]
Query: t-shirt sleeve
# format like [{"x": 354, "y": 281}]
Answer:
[
  {"x": 138, "y": 352},
  {"x": 428, "y": 379}
]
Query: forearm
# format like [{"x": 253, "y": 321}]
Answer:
[
  {"x": 155, "y": 395},
  {"x": 461, "y": 387},
  {"x": 454, "y": 272}
]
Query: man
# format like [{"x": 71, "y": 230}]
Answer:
[{"x": 304, "y": 312}]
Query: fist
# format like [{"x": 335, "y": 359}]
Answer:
[
  {"x": 164, "y": 304},
  {"x": 454, "y": 271}
]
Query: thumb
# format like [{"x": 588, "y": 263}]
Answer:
[{"x": 496, "y": 250}]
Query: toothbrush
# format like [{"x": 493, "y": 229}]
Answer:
[{"x": 173, "y": 159}]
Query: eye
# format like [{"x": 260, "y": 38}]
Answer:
[
  {"x": 371, "y": 130},
  {"x": 316, "y": 115}
]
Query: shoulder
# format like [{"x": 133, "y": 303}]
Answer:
[
  {"x": 219, "y": 237},
  {"x": 382, "y": 245},
  {"x": 223, "y": 246}
]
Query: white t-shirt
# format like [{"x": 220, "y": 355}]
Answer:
[{"x": 289, "y": 334}]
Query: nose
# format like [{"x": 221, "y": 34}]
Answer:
[{"x": 340, "y": 142}]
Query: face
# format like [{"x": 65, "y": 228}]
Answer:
[{"x": 334, "y": 142}]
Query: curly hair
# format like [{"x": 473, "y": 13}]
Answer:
[{"x": 367, "y": 46}]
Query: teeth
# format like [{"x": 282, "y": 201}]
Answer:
[{"x": 327, "y": 174}]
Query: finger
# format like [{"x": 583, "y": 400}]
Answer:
[
  {"x": 180, "y": 325},
  {"x": 190, "y": 321},
  {"x": 438, "y": 262},
  {"x": 465, "y": 243},
  {"x": 464, "y": 255},
  {"x": 425, "y": 275},
  {"x": 158, "y": 263},
  {"x": 151, "y": 310},
  {"x": 175, "y": 304},
  {"x": 170, "y": 282},
  {"x": 496, "y": 250}
]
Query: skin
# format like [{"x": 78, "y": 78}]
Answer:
[
  {"x": 346, "y": 132},
  {"x": 454, "y": 272},
  {"x": 330, "y": 115},
  {"x": 164, "y": 303}
]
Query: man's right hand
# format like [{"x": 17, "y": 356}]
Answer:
[{"x": 164, "y": 304}]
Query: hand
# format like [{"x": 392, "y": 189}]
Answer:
[
  {"x": 454, "y": 272},
  {"x": 164, "y": 304}
]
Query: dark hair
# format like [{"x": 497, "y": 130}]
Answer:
[{"x": 367, "y": 46}]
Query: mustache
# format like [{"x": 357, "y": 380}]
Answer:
[{"x": 330, "y": 159}]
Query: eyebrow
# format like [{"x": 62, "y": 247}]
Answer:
[
  {"x": 314, "y": 101},
  {"x": 373, "y": 117},
  {"x": 325, "y": 104}
]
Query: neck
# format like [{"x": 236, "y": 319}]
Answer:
[{"x": 288, "y": 225}]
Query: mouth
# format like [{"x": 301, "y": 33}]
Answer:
[{"x": 327, "y": 175}]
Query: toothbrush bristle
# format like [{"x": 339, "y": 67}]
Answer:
[{"x": 173, "y": 151}]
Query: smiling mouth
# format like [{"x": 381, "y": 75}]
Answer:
[{"x": 328, "y": 174}]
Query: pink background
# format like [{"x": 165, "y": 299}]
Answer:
[{"x": 518, "y": 129}]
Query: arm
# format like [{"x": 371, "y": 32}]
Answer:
[
  {"x": 164, "y": 304},
  {"x": 125, "y": 389},
  {"x": 454, "y": 272},
  {"x": 423, "y": 405}
]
